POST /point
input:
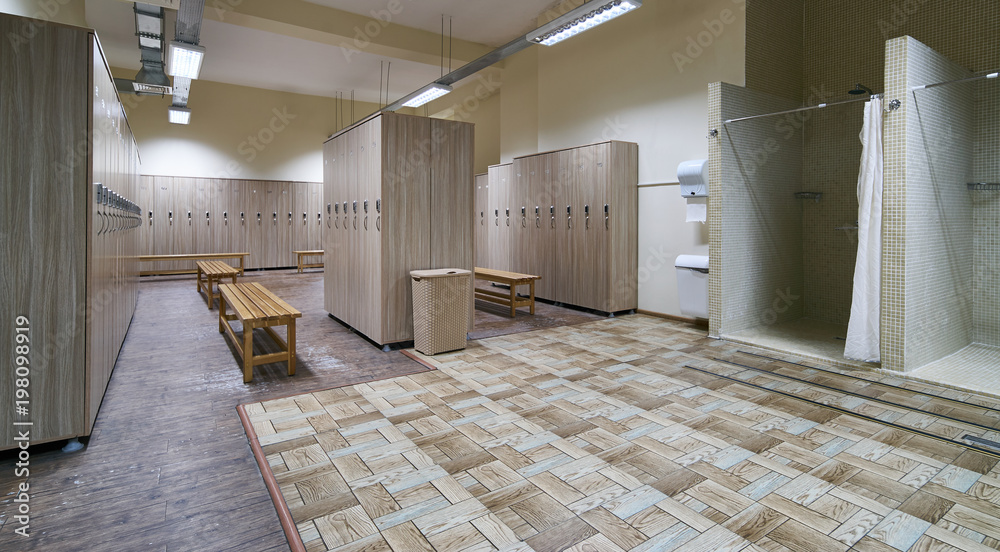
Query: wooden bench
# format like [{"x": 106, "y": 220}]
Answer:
[
  {"x": 512, "y": 279},
  {"x": 311, "y": 253},
  {"x": 210, "y": 273},
  {"x": 189, "y": 257},
  {"x": 256, "y": 307}
]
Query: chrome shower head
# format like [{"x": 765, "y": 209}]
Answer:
[{"x": 861, "y": 89}]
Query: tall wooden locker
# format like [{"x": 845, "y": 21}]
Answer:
[
  {"x": 68, "y": 191},
  {"x": 404, "y": 186},
  {"x": 482, "y": 243},
  {"x": 585, "y": 248},
  {"x": 498, "y": 221}
]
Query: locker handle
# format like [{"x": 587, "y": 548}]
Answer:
[
  {"x": 366, "y": 223},
  {"x": 170, "y": 215},
  {"x": 606, "y": 227},
  {"x": 569, "y": 217},
  {"x": 305, "y": 218},
  {"x": 496, "y": 215},
  {"x": 524, "y": 218},
  {"x": 366, "y": 206},
  {"x": 355, "y": 222},
  {"x": 482, "y": 218},
  {"x": 586, "y": 211},
  {"x": 150, "y": 218},
  {"x": 274, "y": 217},
  {"x": 258, "y": 217},
  {"x": 243, "y": 219},
  {"x": 225, "y": 217},
  {"x": 378, "y": 223},
  {"x": 208, "y": 219},
  {"x": 355, "y": 207},
  {"x": 378, "y": 206},
  {"x": 189, "y": 218},
  {"x": 336, "y": 223}
]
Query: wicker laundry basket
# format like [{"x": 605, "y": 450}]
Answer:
[{"x": 440, "y": 309}]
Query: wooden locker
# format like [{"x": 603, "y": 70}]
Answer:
[
  {"x": 72, "y": 238},
  {"x": 237, "y": 227},
  {"x": 256, "y": 203},
  {"x": 482, "y": 199},
  {"x": 201, "y": 209},
  {"x": 390, "y": 159},
  {"x": 300, "y": 217},
  {"x": 622, "y": 240},
  {"x": 498, "y": 221},
  {"x": 452, "y": 200},
  {"x": 147, "y": 202},
  {"x": 220, "y": 218},
  {"x": 314, "y": 210},
  {"x": 330, "y": 245},
  {"x": 284, "y": 225}
]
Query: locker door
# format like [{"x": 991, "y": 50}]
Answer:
[
  {"x": 481, "y": 241},
  {"x": 330, "y": 250},
  {"x": 181, "y": 232},
  {"x": 146, "y": 202},
  {"x": 590, "y": 274},
  {"x": 300, "y": 217},
  {"x": 284, "y": 226},
  {"x": 219, "y": 219},
  {"x": 201, "y": 225},
  {"x": 257, "y": 217},
  {"x": 541, "y": 181},
  {"x": 314, "y": 210},
  {"x": 238, "y": 217}
]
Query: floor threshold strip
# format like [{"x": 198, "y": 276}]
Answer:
[
  {"x": 865, "y": 397},
  {"x": 984, "y": 442},
  {"x": 986, "y": 451},
  {"x": 836, "y": 373}
]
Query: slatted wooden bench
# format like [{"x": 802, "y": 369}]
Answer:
[
  {"x": 210, "y": 273},
  {"x": 510, "y": 299},
  {"x": 256, "y": 307},
  {"x": 189, "y": 257},
  {"x": 310, "y": 253}
]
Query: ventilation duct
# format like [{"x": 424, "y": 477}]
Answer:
[{"x": 151, "y": 79}]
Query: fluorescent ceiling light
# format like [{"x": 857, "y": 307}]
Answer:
[
  {"x": 426, "y": 94},
  {"x": 185, "y": 60},
  {"x": 582, "y": 18},
  {"x": 179, "y": 115}
]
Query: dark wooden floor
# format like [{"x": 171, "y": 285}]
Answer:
[{"x": 168, "y": 466}]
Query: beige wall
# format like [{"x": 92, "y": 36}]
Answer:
[
  {"x": 236, "y": 132},
  {"x": 637, "y": 79},
  {"x": 61, "y": 11}
]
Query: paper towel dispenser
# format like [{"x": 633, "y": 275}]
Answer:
[{"x": 693, "y": 176}]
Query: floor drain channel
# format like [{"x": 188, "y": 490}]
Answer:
[{"x": 983, "y": 442}]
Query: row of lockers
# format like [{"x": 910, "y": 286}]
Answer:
[
  {"x": 68, "y": 185},
  {"x": 569, "y": 216},
  {"x": 211, "y": 215}
]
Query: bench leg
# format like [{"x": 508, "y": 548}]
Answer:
[
  {"x": 531, "y": 286},
  {"x": 291, "y": 347},
  {"x": 222, "y": 313},
  {"x": 513, "y": 298},
  {"x": 211, "y": 292},
  {"x": 247, "y": 353}
]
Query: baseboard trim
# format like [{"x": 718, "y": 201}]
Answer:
[{"x": 701, "y": 322}]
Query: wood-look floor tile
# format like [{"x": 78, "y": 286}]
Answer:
[{"x": 561, "y": 536}]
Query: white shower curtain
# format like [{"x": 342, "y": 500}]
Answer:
[{"x": 863, "y": 329}]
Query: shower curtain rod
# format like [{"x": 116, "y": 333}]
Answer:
[
  {"x": 830, "y": 104},
  {"x": 987, "y": 76}
]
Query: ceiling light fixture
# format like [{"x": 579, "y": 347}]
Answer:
[
  {"x": 426, "y": 94},
  {"x": 179, "y": 115},
  {"x": 590, "y": 14},
  {"x": 185, "y": 59}
]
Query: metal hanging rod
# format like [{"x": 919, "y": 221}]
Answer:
[
  {"x": 822, "y": 105},
  {"x": 968, "y": 79}
]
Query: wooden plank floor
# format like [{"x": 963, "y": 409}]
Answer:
[
  {"x": 168, "y": 466},
  {"x": 596, "y": 437}
]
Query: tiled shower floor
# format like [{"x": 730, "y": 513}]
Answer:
[
  {"x": 804, "y": 337},
  {"x": 975, "y": 368}
]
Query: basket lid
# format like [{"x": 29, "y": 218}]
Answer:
[{"x": 438, "y": 273}]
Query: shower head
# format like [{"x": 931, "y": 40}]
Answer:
[{"x": 861, "y": 89}]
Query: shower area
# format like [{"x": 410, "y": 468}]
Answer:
[
  {"x": 787, "y": 238},
  {"x": 785, "y": 216}
]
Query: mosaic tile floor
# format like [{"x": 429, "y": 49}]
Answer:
[
  {"x": 976, "y": 367},
  {"x": 596, "y": 437}
]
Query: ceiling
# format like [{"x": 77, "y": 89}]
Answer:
[{"x": 276, "y": 55}]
